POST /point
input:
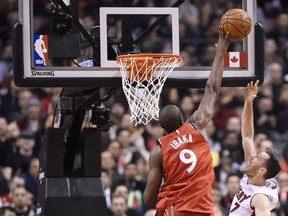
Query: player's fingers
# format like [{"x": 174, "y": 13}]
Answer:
[
  {"x": 166, "y": 213},
  {"x": 172, "y": 210},
  {"x": 249, "y": 85},
  {"x": 227, "y": 35},
  {"x": 257, "y": 83}
]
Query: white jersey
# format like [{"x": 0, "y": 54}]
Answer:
[{"x": 241, "y": 204}]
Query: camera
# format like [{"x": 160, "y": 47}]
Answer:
[{"x": 101, "y": 118}]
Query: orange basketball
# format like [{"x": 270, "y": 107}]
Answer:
[{"x": 237, "y": 22}]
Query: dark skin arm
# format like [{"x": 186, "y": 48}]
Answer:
[
  {"x": 154, "y": 179},
  {"x": 204, "y": 114},
  {"x": 200, "y": 119}
]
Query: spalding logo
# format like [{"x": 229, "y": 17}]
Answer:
[{"x": 42, "y": 73}]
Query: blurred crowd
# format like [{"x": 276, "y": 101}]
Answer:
[{"x": 25, "y": 113}]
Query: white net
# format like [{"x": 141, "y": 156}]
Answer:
[{"x": 143, "y": 77}]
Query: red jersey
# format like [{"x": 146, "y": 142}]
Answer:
[{"x": 187, "y": 165}]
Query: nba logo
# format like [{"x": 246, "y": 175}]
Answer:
[{"x": 40, "y": 50}]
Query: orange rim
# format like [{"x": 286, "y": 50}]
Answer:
[
  {"x": 151, "y": 56},
  {"x": 146, "y": 73}
]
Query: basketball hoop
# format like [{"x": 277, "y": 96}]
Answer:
[{"x": 143, "y": 77}]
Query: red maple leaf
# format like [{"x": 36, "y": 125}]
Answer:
[{"x": 234, "y": 59}]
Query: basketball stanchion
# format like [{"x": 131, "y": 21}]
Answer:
[{"x": 143, "y": 77}]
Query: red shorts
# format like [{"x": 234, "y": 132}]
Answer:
[{"x": 160, "y": 212}]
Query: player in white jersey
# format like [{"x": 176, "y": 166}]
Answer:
[{"x": 257, "y": 194}]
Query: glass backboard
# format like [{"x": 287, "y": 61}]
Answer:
[{"x": 70, "y": 43}]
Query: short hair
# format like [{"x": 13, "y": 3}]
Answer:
[
  {"x": 216, "y": 187},
  {"x": 231, "y": 175},
  {"x": 170, "y": 118},
  {"x": 17, "y": 187},
  {"x": 119, "y": 130},
  {"x": 116, "y": 195},
  {"x": 4, "y": 209},
  {"x": 272, "y": 164}
]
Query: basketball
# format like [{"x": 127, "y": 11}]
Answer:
[
  {"x": 44, "y": 50},
  {"x": 237, "y": 22}
]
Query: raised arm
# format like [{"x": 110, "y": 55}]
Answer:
[
  {"x": 247, "y": 130},
  {"x": 261, "y": 204},
  {"x": 154, "y": 179},
  {"x": 201, "y": 117}
]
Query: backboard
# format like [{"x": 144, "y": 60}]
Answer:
[{"x": 70, "y": 43}]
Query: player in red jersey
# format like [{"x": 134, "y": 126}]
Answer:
[{"x": 183, "y": 155}]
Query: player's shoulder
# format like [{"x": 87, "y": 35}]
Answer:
[
  {"x": 261, "y": 201},
  {"x": 271, "y": 183},
  {"x": 156, "y": 150}
]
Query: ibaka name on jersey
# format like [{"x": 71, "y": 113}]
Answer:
[{"x": 180, "y": 140}]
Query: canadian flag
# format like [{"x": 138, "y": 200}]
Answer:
[{"x": 235, "y": 59}]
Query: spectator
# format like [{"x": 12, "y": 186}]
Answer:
[
  {"x": 215, "y": 146},
  {"x": 232, "y": 185},
  {"x": 170, "y": 96},
  {"x": 21, "y": 158},
  {"x": 21, "y": 202},
  {"x": 136, "y": 187},
  {"x": 272, "y": 53},
  {"x": 223, "y": 170},
  {"x": 282, "y": 109},
  {"x": 141, "y": 167},
  {"x": 280, "y": 34},
  {"x": 122, "y": 190},
  {"x": 117, "y": 111},
  {"x": 48, "y": 103},
  {"x": 21, "y": 101},
  {"x": 6, "y": 198},
  {"x": 234, "y": 124},
  {"x": 109, "y": 164},
  {"x": 152, "y": 132},
  {"x": 231, "y": 141},
  {"x": 119, "y": 206},
  {"x": 106, "y": 180},
  {"x": 7, "y": 211},
  {"x": 33, "y": 120},
  {"x": 129, "y": 146},
  {"x": 275, "y": 73},
  {"x": 186, "y": 107},
  {"x": 3, "y": 185},
  {"x": 4, "y": 144},
  {"x": 282, "y": 180},
  {"x": 216, "y": 195},
  {"x": 31, "y": 177},
  {"x": 264, "y": 116},
  {"x": 224, "y": 109}
]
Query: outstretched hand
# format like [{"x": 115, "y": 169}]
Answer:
[
  {"x": 172, "y": 213},
  {"x": 251, "y": 91},
  {"x": 223, "y": 41}
]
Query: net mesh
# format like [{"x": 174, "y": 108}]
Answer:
[{"x": 143, "y": 77}]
